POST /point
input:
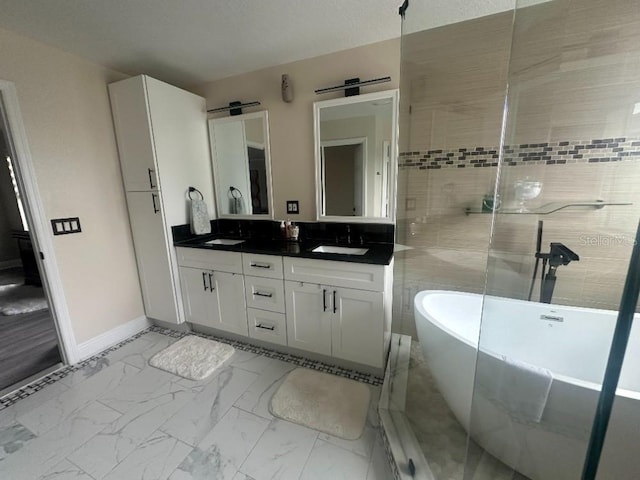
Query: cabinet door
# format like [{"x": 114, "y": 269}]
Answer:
[
  {"x": 229, "y": 311},
  {"x": 308, "y": 317},
  {"x": 134, "y": 135},
  {"x": 196, "y": 295},
  {"x": 357, "y": 326},
  {"x": 152, "y": 256}
]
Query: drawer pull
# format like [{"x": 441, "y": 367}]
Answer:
[
  {"x": 261, "y": 265},
  {"x": 204, "y": 281},
  {"x": 266, "y": 327},
  {"x": 211, "y": 283},
  {"x": 151, "y": 185},
  {"x": 335, "y": 306},
  {"x": 324, "y": 300},
  {"x": 261, "y": 294}
]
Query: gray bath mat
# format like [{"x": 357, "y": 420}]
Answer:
[
  {"x": 334, "y": 405},
  {"x": 192, "y": 357},
  {"x": 17, "y": 299}
]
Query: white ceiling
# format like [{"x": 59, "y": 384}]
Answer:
[{"x": 187, "y": 42}]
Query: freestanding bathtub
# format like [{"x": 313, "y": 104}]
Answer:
[{"x": 572, "y": 344}]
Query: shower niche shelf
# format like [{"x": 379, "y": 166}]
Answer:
[{"x": 549, "y": 208}]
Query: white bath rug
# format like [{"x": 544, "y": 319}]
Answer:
[
  {"x": 192, "y": 357},
  {"x": 334, "y": 405}
]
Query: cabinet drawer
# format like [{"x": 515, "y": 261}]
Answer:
[
  {"x": 340, "y": 274},
  {"x": 209, "y": 259},
  {"x": 269, "y": 266},
  {"x": 265, "y": 293},
  {"x": 267, "y": 326}
]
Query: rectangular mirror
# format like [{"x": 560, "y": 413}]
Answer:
[
  {"x": 355, "y": 152},
  {"x": 242, "y": 165}
]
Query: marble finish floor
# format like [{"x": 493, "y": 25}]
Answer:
[
  {"x": 119, "y": 418},
  {"x": 441, "y": 437}
]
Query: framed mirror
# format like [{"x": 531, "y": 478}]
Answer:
[
  {"x": 242, "y": 165},
  {"x": 355, "y": 154}
]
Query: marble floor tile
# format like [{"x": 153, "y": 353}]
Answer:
[
  {"x": 115, "y": 442},
  {"x": 249, "y": 361},
  {"x": 212, "y": 401},
  {"x": 242, "y": 476},
  {"x": 9, "y": 415},
  {"x": 281, "y": 452},
  {"x": 155, "y": 459},
  {"x": 13, "y": 437},
  {"x": 45, "y": 452},
  {"x": 66, "y": 470},
  {"x": 204, "y": 465},
  {"x": 138, "y": 388},
  {"x": 46, "y": 416},
  {"x": 330, "y": 462},
  {"x": 157, "y": 342},
  {"x": 257, "y": 397},
  {"x": 362, "y": 446},
  {"x": 235, "y": 435},
  {"x": 96, "y": 365}
]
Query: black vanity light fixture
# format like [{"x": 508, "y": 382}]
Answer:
[
  {"x": 352, "y": 86},
  {"x": 234, "y": 108}
]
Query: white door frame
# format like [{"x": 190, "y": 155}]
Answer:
[{"x": 38, "y": 223}]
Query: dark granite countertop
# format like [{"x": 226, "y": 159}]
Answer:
[{"x": 377, "y": 254}]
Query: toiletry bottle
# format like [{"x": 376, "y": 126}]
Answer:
[
  {"x": 288, "y": 229},
  {"x": 283, "y": 230}
]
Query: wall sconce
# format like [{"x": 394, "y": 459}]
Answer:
[{"x": 287, "y": 89}]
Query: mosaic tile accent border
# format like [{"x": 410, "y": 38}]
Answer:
[
  {"x": 285, "y": 357},
  {"x": 548, "y": 153},
  {"x": 53, "y": 377},
  {"x": 387, "y": 449}
]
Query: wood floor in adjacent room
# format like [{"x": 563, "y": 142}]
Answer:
[{"x": 28, "y": 341}]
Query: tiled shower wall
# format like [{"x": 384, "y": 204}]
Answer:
[{"x": 574, "y": 77}]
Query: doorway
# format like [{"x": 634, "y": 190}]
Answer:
[
  {"x": 344, "y": 173},
  {"x": 29, "y": 341}
]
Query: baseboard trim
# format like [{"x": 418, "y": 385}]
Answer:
[
  {"x": 116, "y": 335},
  {"x": 10, "y": 264}
]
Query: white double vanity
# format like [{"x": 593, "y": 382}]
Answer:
[{"x": 259, "y": 288}]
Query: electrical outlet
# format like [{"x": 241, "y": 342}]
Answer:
[{"x": 293, "y": 207}]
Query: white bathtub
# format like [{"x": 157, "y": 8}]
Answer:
[{"x": 574, "y": 345}]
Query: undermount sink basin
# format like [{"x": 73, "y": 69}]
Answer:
[
  {"x": 340, "y": 250},
  {"x": 223, "y": 241}
]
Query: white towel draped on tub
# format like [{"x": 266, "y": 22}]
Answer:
[{"x": 519, "y": 388}]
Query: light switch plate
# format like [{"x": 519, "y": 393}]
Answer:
[
  {"x": 293, "y": 207},
  {"x": 64, "y": 226}
]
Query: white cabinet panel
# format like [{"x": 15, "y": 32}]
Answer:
[
  {"x": 210, "y": 259},
  {"x": 265, "y": 293},
  {"x": 339, "y": 274},
  {"x": 357, "y": 326},
  {"x": 308, "y": 317},
  {"x": 152, "y": 256},
  {"x": 262, "y": 265},
  {"x": 230, "y": 311},
  {"x": 133, "y": 130},
  {"x": 196, "y": 296},
  {"x": 267, "y": 326}
]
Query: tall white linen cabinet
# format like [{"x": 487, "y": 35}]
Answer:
[{"x": 162, "y": 138}]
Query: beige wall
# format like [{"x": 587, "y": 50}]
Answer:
[
  {"x": 67, "y": 118},
  {"x": 291, "y": 124}
]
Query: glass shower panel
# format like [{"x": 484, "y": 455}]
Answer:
[
  {"x": 453, "y": 86},
  {"x": 567, "y": 206}
]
